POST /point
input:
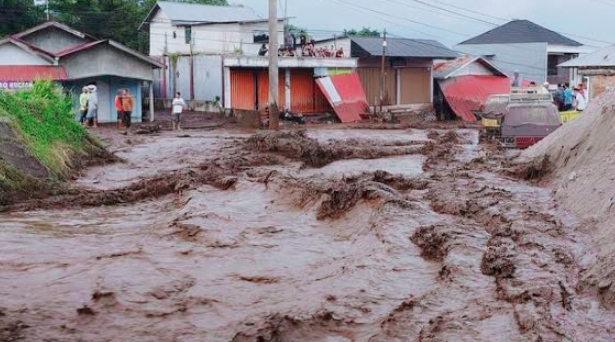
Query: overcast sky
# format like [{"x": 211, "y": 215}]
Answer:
[{"x": 591, "y": 19}]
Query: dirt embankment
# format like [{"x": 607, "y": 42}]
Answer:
[
  {"x": 42, "y": 145},
  {"x": 25, "y": 177},
  {"x": 578, "y": 161}
]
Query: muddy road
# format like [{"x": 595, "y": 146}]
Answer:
[{"x": 328, "y": 235}]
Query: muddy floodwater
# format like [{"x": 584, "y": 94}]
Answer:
[{"x": 433, "y": 241}]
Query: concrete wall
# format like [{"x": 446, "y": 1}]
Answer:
[
  {"x": 208, "y": 39},
  {"x": 207, "y": 78},
  {"x": 53, "y": 39},
  {"x": 106, "y": 60},
  {"x": 14, "y": 55},
  {"x": 529, "y": 59}
]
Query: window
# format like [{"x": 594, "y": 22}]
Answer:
[
  {"x": 188, "y": 34},
  {"x": 552, "y": 62}
]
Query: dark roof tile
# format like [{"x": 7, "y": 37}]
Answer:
[
  {"x": 521, "y": 31},
  {"x": 401, "y": 47}
]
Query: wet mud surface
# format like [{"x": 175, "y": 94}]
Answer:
[{"x": 324, "y": 235}]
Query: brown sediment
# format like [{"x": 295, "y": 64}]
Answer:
[
  {"x": 534, "y": 170},
  {"x": 298, "y": 146},
  {"x": 217, "y": 173},
  {"x": 462, "y": 254},
  {"x": 340, "y": 196},
  {"x": 432, "y": 241}
]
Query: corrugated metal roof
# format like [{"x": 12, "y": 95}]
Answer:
[
  {"x": 602, "y": 58},
  {"x": 443, "y": 70},
  {"x": 17, "y": 73},
  {"x": 521, "y": 31},
  {"x": 346, "y": 96},
  {"x": 198, "y": 13},
  {"x": 400, "y": 47},
  {"x": 466, "y": 94}
]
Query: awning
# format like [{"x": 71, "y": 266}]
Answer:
[
  {"x": 465, "y": 94},
  {"x": 346, "y": 95},
  {"x": 28, "y": 73}
]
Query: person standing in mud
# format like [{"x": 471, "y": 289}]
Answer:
[
  {"x": 127, "y": 105},
  {"x": 83, "y": 104},
  {"x": 178, "y": 108},
  {"x": 93, "y": 106},
  {"x": 117, "y": 102}
]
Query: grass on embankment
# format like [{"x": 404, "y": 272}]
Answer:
[{"x": 42, "y": 142}]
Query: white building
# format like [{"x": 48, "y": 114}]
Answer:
[
  {"x": 192, "y": 40},
  {"x": 185, "y": 28}
]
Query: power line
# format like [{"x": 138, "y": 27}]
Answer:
[{"x": 507, "y": 20}]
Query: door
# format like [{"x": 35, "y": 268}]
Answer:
[
  {"x": 415, "y": 86},
  {"x": 243, "y": 89}
]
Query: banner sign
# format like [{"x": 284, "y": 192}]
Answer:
[{"x": 11, "y": 85}]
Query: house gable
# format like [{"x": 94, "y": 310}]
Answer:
[
  {"x": 53, "y": 39},
  {"x": 109, "y": 59},
  {"x": 13, "y": 54}
]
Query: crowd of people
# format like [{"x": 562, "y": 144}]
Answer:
[
  {"x": 88, "y": 107},
  {"x": 567, "y": 98},
  {"x": 306, "y": 48}
]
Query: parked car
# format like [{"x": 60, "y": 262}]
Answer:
[{"x": 519, "y": 120}]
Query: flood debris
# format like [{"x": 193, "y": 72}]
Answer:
[
  {"x": 217, "y": 173},
  {"x": 337, "y": 197},
  {"x": 432, "y": 241},
  {"x": 298, "y": 145}
]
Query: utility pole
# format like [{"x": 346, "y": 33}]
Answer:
[
  {"x": 274, "y": 117},
  {"x": 47, "y": 9},
  {"x": 383, "y": 70}
]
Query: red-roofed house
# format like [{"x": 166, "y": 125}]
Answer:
[
  {"x": 57, "y": 52},
  {"x": 463, "y": 85}
]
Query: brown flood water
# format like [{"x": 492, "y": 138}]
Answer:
[{"x": 471, "y": 255}]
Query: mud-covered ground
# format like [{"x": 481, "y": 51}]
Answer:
[{"x": 326, "y": 235}]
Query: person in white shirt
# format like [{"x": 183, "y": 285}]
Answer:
[
  {"x": 178, "y": 107},
  {"x": 93, "y": 106},
  {"x": 580, "y": 100}
]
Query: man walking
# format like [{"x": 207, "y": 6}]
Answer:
[{"x": 178, "y": 108}]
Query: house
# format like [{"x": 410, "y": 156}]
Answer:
[
  {"x": 74, "y": 59},
  {"x": 463, "y": 85},
  {"x": 521, "y": 45},
  {"x": 191, "y": 40},
  {"x": 597, "y": 70},
  {"x": 246, "y": 82},
  {"x": 408, "y": 68}
]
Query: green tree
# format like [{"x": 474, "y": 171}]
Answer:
[
  {"x": 364, "y": 32},
  {"x": 295, "y": 29},
  {"x": 17, "y": 15}
]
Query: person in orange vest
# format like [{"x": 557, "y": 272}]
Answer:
[
  {"x": 119, "y": 108},
  {"x": 127, "y": 105}
]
